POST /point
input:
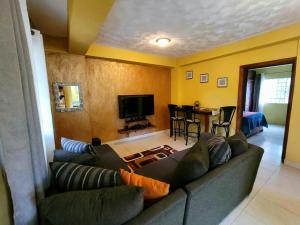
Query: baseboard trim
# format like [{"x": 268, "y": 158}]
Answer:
[
  {"x": 292, "y": 164},
  {"x": 120, "y": 141}
]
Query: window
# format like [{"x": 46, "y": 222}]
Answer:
[{"x": 277, "y": 90}]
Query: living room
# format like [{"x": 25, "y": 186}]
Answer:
[{"x": 125, "y": 66}]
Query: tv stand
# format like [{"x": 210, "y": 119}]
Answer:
[
  {"x": 135, "y": 119},
  {"x": 135, "y": 124}
]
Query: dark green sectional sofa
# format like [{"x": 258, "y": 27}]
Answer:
[{"x": 205, "y": 201}]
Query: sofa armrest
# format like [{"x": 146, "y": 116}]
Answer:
[
  {"x": 169, "y": 210},
  {"x": 213, "y": 196}
]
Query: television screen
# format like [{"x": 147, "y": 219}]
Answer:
[{"x": 135, "y": 106}]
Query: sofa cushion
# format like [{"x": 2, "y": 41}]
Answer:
[
  {"x": 80, "y": 158},
  {"x": 206, "y": 136},
  {"x": 193, "y": 165},
  {"x": 73, "y": 176},
  {"x": 238, "y": 144},
  {"x": 179, "y": 155},
  {"x": 163, "y": 169},
  {"x": 219, "y": 151},
  {"x": 107, "y": 206},
  {"x": 75, "y": 146},
  {"x": 108, "y": 158},
  {"x": 153, "y": 189}
]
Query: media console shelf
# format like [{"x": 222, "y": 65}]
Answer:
[{"x": 133, "y": 125}]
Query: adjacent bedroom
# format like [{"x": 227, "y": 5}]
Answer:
[{"x": 267, "y": 95}]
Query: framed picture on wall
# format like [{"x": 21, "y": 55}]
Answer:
[
  {"x": 204, "y": 78},
  {"x": 222, "y": 82},
  {"x": 188, "y": 75}
]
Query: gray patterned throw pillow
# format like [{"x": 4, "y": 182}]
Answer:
[
  {"x": 73, "y": 176},
  {"x": 219, "y": 151}
]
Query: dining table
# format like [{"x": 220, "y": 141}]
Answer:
[{"x": 205, "y": 112}]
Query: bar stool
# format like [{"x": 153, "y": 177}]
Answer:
[
  {"x": 189, "y": 119},
  {"x": 175, "y": 120},
  {"x": 225, "y": 118}
]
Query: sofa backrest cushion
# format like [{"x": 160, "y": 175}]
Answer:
[
  {"x": 80, "y": 158},
  {"x": 153, "y": 189},
  {"x": 107, "y": 206},
  {"x": 238, "y": 144},
  {"x": 108, "y": 158},
  {"x": 219, "y": 151},
  {"x": 193, "y": 165},
  {"x": 73, "y": 176}
]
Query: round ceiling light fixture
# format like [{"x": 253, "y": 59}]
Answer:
[{"x": 163, "y": 42}]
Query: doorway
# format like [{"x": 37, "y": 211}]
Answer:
[{"x": 262, "y": 88}]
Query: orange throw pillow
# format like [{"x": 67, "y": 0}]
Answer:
[{"x": 153, "y": 189}]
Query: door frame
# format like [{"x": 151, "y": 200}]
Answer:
[{"x": 242, "y": 94}]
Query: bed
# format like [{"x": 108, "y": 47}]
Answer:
[{"x": 253, "y": 123}]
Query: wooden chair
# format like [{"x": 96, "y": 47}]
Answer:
[
  {"x": 225, "y": 118},
  {"x": 189, "y": 119},
  {"x": 175, "y": 121}
]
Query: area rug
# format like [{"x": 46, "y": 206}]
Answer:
[{"x": 138, "y": 160}]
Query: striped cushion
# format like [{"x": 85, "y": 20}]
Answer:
[
  {"x": 219, "y": 151},
  {"x": 73, "y": 176},
  {"x": 74, "y": 146}
]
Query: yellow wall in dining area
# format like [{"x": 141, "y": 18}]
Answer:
[
  {"x": 293, "y": 150},
  {"x": 187, "y": 91},
  {"x": 228, "y": 65}
]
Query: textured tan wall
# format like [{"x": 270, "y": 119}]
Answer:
[
  {"x": 69, "y": 68},
  {"x": 101, "y": 82}
]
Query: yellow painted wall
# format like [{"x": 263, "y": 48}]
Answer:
[
  {"x": 187, "y": 91},
  {"x": 107, "y": 52},
  {"x": 293, "y": 150},
  {"x": 275, "y": 113},
  {"x": 84, "y": 20},
  {"x": 59, "y": 45}
]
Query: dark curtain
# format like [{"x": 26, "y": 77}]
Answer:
[
  {"x": 249, "y": 90},
  {"x": 256, "y": 93}
]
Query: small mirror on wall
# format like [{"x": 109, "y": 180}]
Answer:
[{"x": 68, "y": 97}]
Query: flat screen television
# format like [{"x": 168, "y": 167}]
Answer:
[{"x": 131, "y": 106}]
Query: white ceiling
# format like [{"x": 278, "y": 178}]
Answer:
[
  {"x": 193, "y": 25},
  {"x": 49, "y": 16}
]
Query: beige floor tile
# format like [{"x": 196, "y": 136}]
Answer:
[
  {"x": 264, "y": 173},
  {"x": 246, "y": 219},
  {"x": 267, "y": 212},
  {"x": 236, "y": 212},
  {"x": 125, "y": 148},
  {"x": 283, "y": 189},
  {"x": 258, "y": 184}
]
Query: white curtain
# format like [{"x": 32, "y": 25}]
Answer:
[{"x": 42, "y": 94}]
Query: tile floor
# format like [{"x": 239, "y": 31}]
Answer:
[{"x": 275, "y": 198}]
